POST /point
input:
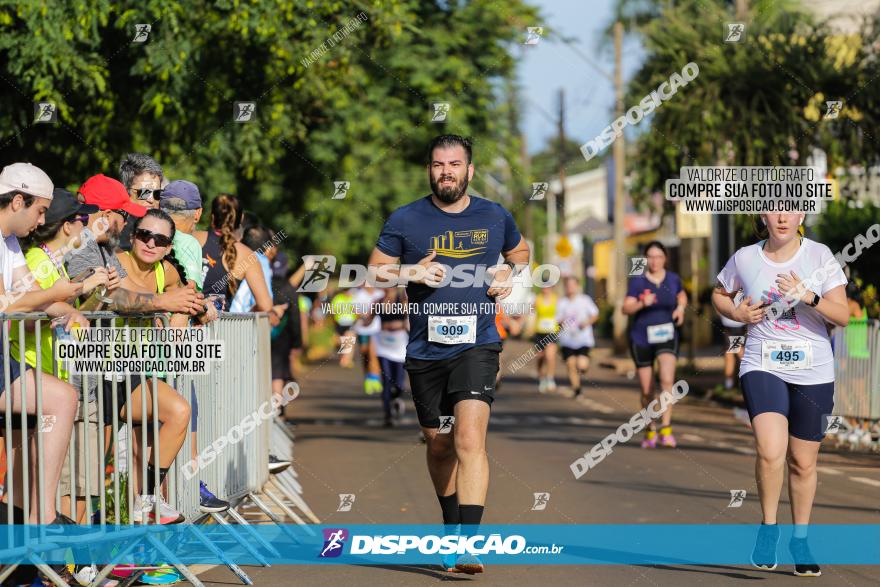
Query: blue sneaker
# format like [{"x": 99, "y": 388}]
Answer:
[
  {"x": 469, "y": 563},
  {"x": 210, "y": 503},
  {"x": 764, "y": 554},
  {"x": 448, "y": 562}
]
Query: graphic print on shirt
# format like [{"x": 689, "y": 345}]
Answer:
[
  {"x": 452, "y": 243},
  {"x": 788, "y": 320}
]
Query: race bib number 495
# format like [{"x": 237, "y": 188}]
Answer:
[
  {"x": 452, "y": 329},
  {"x": 786, "y": 356}
]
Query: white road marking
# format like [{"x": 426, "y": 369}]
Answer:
[
  {"x": 828, "y": 471},
  {"x": 866, "y": 481}
]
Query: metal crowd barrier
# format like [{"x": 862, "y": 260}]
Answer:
[
  {"x": 857, "y": 357},
  {"x": 235, "y": 388}
]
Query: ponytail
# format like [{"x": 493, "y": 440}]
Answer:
[
  {"x": 226, "y": 214},
  {"x": 178, "y": 266}
]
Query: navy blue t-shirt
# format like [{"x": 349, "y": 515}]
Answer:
[
  {"x": 660, "y": 312},
  {"x": 477, "y": 235}
]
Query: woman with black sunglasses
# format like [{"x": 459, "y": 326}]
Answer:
[{"x": 151, "y": 267}]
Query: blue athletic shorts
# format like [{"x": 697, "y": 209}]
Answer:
[{"x": 807, "y": 407}]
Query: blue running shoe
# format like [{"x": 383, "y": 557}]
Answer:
[
  {"x": 210, "y": 503},
  {"x": 764, "y": 555},
  {"x": 469, "y": 563}
]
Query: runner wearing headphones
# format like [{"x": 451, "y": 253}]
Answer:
[
  {"x": 792, "y": 287},
  {"x": 656, "y": 300}
]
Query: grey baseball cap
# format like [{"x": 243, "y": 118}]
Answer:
[{"x": 27, "y": 179}]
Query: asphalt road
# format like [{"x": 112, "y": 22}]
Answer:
[{"x": 342, "y": 448}]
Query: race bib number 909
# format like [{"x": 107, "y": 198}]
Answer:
[{"x": 452, "y": 329}]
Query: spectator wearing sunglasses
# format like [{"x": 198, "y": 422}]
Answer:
[
  {"x": 151, "y": 267},
  {"x": 115, "y": 208},
  {"x": 143, "y": 179}
]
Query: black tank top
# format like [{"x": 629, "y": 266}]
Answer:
[{"x": 216, "y": 276}]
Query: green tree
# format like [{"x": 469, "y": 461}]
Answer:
[{"x": 360, "y": 111}]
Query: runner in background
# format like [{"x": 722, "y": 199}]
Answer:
[
  {"x": 366, "y": 327},
  {"x": 576, "y": 313},
  {"x": 391, "y": 351},
  {"x": 656, "y": 300},
  {"x": 787, "y": 371},
  {"x": 545, "y": 337},
  {"x": 342, "y": 311}
]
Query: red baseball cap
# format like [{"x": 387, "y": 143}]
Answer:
[{"x": 109, "y": 194}]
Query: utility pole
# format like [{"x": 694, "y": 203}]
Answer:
[
  {"x": 617, "y": 275},
  {"x": 561, "y": 161}
]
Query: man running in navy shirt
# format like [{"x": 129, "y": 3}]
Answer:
[{"x": 453, "y": 351}]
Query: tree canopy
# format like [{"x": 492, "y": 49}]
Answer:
[{"x": 343, "y": 91}]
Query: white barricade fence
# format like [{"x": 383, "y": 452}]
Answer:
[
  {"x": 235, "y": 426},
  {"x": 857, "y": 382}
]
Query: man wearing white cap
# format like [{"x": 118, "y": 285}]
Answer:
[{"x": 25, "y": 195}]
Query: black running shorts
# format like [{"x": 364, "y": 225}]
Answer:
[{"x": 438, "y": 385}]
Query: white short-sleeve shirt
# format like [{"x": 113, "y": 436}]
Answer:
[
  {"x": 569, "y": 313},
  {"x": 11, "y": 258},
  {"x": 750, "y": 270}
]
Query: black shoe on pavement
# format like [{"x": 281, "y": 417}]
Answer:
[{"x": 804, "y": 564}]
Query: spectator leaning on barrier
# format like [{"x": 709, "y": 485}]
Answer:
[
  {"x": 47, "y": 246},
  {"x": 152, "y": 267},
  {"x": 25, "y": 194},
  {"x": 142, "y": 177},
  {"x": 110, "y": 196}
]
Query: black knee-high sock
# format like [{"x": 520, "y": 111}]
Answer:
[
  {"x": 449, "y": 506},
  {"x": 470, "y": 516},
  {"x": 151, "y": 478}
]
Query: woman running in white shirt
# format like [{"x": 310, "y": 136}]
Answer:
[{"x": 792, "y": 287}]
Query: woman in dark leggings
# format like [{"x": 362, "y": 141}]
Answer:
[
  {"x": 656, "y": 300},
  {"x": 787, "y": 289},
  {"x": 391, "y": 349}
]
